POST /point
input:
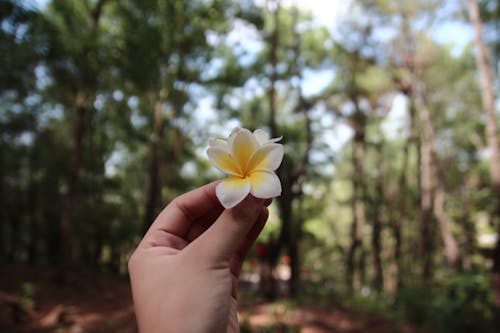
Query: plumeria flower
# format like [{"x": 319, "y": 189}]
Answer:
[{"x": 250, "y": 159}]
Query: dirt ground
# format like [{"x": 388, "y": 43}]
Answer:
[{"x": 31, "y": 300}]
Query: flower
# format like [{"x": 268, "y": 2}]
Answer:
[{"x": 250, "y": 159}]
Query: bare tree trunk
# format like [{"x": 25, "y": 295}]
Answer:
[
  {"x": 273, "y": 61},
  {"x": 488, "y": 99},
  {"x": 426, "y": 188},
  {"x": 283, "y": 241},
  {"x": 293, "y": 252},
  {"x": 67, "y": 247},
  {"x": 291, "y": 174},
  {"x": 450, "y": 244},
  {"x": 32, "y": 202},
  {"x": 354, "y": 245},
  {"x": 358, "y": 204},
  {"x": 153, "y": 200},
  {"x": 3, "y": 212},
  {"x": 449, "y": 241},
  {"x": 398, "y": 220},
  {"x": 378, "y": 203},
  {"x": 285, "y": 200}
]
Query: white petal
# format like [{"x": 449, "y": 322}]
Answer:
[
  {"x": 218, "y": 143},
  {"x": 261, "y": 136},
  {"x": 267, "y": 157},
  {"x": 243, "y": 147},
  {"x": 232, "y": 191},
  {"x": 235, "y": 130},
  {"x": 231, "y": 137},
  {"x": 265, "y": 184},
  {"x": 223, "y": 161},
  {"x": 275, "y": 140}
]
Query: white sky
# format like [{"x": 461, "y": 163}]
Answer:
[{"x": 327, "y": 12}]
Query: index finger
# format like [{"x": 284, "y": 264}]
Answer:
[{"x": 178, "y": 217}]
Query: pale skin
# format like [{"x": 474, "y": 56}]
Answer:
[{"x": 185, "y": 270}]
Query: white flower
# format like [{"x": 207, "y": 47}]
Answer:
[{"x": 250, "y": 159}]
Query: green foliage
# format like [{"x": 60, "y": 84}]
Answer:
[
  {"x": 413, "y": 303},
  {"x": 465, "y": 304},
  {"x": 28, "y": 292}
]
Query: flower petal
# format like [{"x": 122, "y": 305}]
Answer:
[
  {"x": 267, "y": 157},
  {"x": 223, "y": 161},
  {"x": 243, "y": 147},
  {"x": 265, "y": 184},
  {"x": 231, "y": 137},
  {"x": 261, "y": 136},
  {"x": 275, "y": 140},
  {"x": 231, "y": 191},
  {"x": 218, "y": 143}
]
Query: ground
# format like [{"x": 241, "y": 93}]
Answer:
[{"x": 31, "y": 300}]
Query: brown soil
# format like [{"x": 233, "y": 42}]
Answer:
[{"x": 92, "y": 302}]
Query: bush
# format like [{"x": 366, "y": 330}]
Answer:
[
  {"x": 465, "y": 305},
  {"x": 413, "y": 304}
]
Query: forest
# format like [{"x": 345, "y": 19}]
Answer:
[{"x": 389, "y": 217}]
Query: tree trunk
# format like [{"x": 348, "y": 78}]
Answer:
[
  {"x": 449, "y": 241},
  {"x": 488, "y": 100},
  {"x": 153, "y": 200},
  {"x": 358, "y": 197},
  {"x": 293, "y": 252},
  {"x": 273, "y": 61},
  {"x": 3, "y": 212},
  {"x": 284, "y": 201},
  {"x": 32, "y": 202},
  {"x": 67, "y": 247},
  {"x": 378, "y": 203},
  {"x": 398, "y": 220},
  {"x": 426, "y": 188},
  {"x": 283, "y": 241}
]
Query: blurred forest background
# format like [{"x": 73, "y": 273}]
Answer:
[{"x": 391, "y": 178}]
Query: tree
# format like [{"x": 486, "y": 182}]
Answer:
[
  {"x": 74, "y": 60},
  {"x": 491, "y": 129}
]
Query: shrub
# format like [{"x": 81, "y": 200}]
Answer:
[{"x": 465, "y": 305}]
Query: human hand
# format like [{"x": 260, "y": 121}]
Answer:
[{"x": 185, "y": 270}]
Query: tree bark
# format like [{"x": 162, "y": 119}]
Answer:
[
  {"x": 449, "y": 241},
  {"x": 32, "y": 201},
  {"x": 398, "y": 219},
  {"x": 358, "y": 196},
  {"x": 67, "y": 247},
  {"x": 153, "y": 199},
  {"x": 273, "y": 61},
  {"x": 83, "y": 98},
  {"x": 426, "y": 188},
  {"x": 293, "y": 252},
  {"x": 488, "y": 100},
  {"x": 3, "y": 213},
  {"x": 377, "y": 223}
]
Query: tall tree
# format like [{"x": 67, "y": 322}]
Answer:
[
  {"x": 488, "y": 100},
  {"x": 177, "y": 52},
  {"x": 22, "y": 52},
  {"x": 436, "y": 179},
  {"x": 74, "y": 59}
]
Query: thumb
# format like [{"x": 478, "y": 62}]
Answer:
[{"x": 226, "y": 234}]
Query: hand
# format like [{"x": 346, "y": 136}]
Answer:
[{"x": 185, "y": 270}]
